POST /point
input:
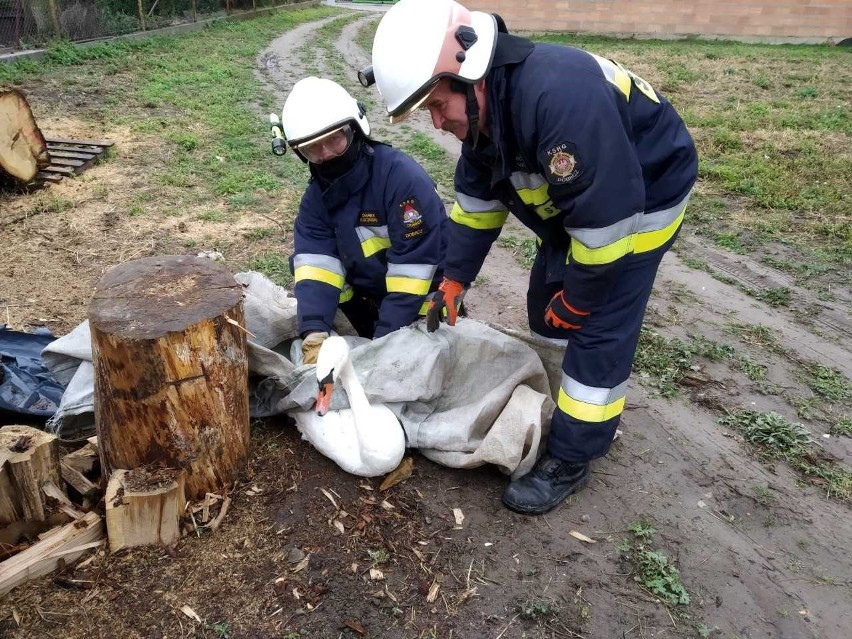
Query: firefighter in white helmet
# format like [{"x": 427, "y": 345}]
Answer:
[
  {"x": 588, "y": 156},
  {"x": 369, "y": 236}
]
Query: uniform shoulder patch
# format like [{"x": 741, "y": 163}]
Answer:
[
  {"x": 562, "y": 164},
  {"x": 410, "y": 211}
]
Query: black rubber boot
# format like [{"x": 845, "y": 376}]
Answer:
[{"x": 545, "y": 486}]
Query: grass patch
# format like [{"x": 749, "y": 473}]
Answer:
[
  {"x": 778, "y": 438},
  {"x": 274, "y": 265},
  {"x": 523, "y": 250},
  {"x": 651, "y": 567},
  {"x": 843, "y": 427},
  {"x": 826, "y": 382}
]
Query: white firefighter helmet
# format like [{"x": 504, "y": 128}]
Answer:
[
  {"x": 317, "y": 107},
  {"x": 418, "y": 42}
]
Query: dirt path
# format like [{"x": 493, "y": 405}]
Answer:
[{"x": 763, "y": 554}]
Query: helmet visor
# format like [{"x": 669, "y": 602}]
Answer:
[
  {"x": 414, "y": 102},
  {"x": 327, "y": 146}
]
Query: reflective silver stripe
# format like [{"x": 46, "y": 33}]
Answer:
[
  {"x": 470, "y": 204},
  {"x": 661, "y": 219},
  {"x": 592, "y": 394},
  {"x": 368, "y": 232},
  {"x": 607, "y": 66},
  {"x": 530, "y": 181},
  {"x": 415, "y": 271},
  {"x": 596, "y": 238},
  {"x": 638, "y": 223},
  {"x": 321, "y": 261}
]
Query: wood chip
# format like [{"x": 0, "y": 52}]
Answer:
[
  {"x": 302, "y": 564},
  {"x": 330, "y": 498},
  {"x": 376, "y": 574},
  {"x": 398, "y": 474},
  {"x": 582, "y": 537},
  {"x": 387, "y": 505},
  {"x": 189, "y": 612},
  {"x": 433, "y": 592},
  {"x": 352, "y": 624},
  {"x": 339, "y": 525},
  {"x": 459, "y": 516}
]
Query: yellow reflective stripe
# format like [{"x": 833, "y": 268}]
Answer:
[
  {"x": 373, "y": 245},
  {"x": 589, "y": 412},
  {"x": 651, "y": 240},
  {"x": 319, "y": 275},
  {"x": 622, "y": 81},
  {"x": 424, "y": 308},
  {"x": 481, "y": 221},
  {"x": 397, "y": 284},
  {"x": 536, "y": 196},
  {"x": 636, "y": 243},
  {"x": 346, "y": 295},
  {"x": 603, "y": 255}
]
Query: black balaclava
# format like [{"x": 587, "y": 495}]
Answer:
[{"x": 335, "y": 168}]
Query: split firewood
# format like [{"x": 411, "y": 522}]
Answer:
[
  {"x": 28, "y": 459},
  {"x": 68, "y": 543},
  {"x": 144, "y": 506},
  {"x": 23, "y": 150}
]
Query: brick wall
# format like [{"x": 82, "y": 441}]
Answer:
[{"x": 818, "y": 20}]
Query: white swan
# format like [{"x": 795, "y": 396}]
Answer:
[{"x": 363, "y": 440}]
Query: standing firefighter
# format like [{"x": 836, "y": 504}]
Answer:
[
  {"x": 369, "y": 236},
  {"x": 587, "y": 155}
]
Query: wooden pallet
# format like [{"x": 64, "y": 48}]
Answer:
[{"x": 71, "y": 157}]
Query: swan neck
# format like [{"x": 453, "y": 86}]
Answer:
[{"x": 357, "y": 397}]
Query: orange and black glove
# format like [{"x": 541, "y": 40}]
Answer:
[
  {"x": 444, "y": 305},
  {"x": 560, "y": 314}
]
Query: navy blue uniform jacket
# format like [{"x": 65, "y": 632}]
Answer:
[{"x": 377, "y": 231}]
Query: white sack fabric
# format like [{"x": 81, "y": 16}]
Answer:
[{"x": 466, "y": 395}]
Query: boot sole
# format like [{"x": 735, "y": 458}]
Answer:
[{"x": 546, "y": 508}]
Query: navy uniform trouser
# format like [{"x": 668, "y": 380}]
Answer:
[{"x": 598, "y": 357}]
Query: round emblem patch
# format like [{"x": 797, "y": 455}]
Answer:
[{"x": 562, "y": 164}]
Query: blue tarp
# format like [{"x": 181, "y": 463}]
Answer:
[{"x": 27, "y": 388}]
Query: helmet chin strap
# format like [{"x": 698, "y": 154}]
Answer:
[{"x": 472, "y": 109}]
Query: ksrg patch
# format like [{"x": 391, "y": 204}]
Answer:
[
  {"x": 562, "y": 164},
  {"x": 411, "y": 216}
]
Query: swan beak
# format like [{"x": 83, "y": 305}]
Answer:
[
  {"x": 324, "y": 398},
  {"x": 324, "y": 395}
]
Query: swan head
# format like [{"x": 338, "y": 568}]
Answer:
[{"x": 332, "y": 357}]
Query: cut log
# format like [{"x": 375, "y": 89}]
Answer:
[
  {"x": 29, "y": 458},
  {"x": 171, "y": 372},
  {"x": 144, "y": 507},
  {"x": 68, "y": 543},
  {"x": 23, "y": 149}
]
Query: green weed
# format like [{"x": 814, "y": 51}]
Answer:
[
  {"x": 537, "y": 609},
  {"x": 774, "y": 434},
  {"x": 523, "y": 250},
  {"x": 652, "y": 568},
  {"x": 843, "y": 427},
  {"x": 826, "y": 382}
]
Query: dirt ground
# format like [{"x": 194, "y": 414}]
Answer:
[{"x": 278, "y": 567}]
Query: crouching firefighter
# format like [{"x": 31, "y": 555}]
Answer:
[
  {"x": 370, "y": 232},
  {"x": 588, "y": 156}
]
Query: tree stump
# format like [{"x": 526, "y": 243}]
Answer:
[
  {"x": 171, "y": 372},
  {"x": 144, "y": 507},
  {"x": 28, "y": 459}
]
